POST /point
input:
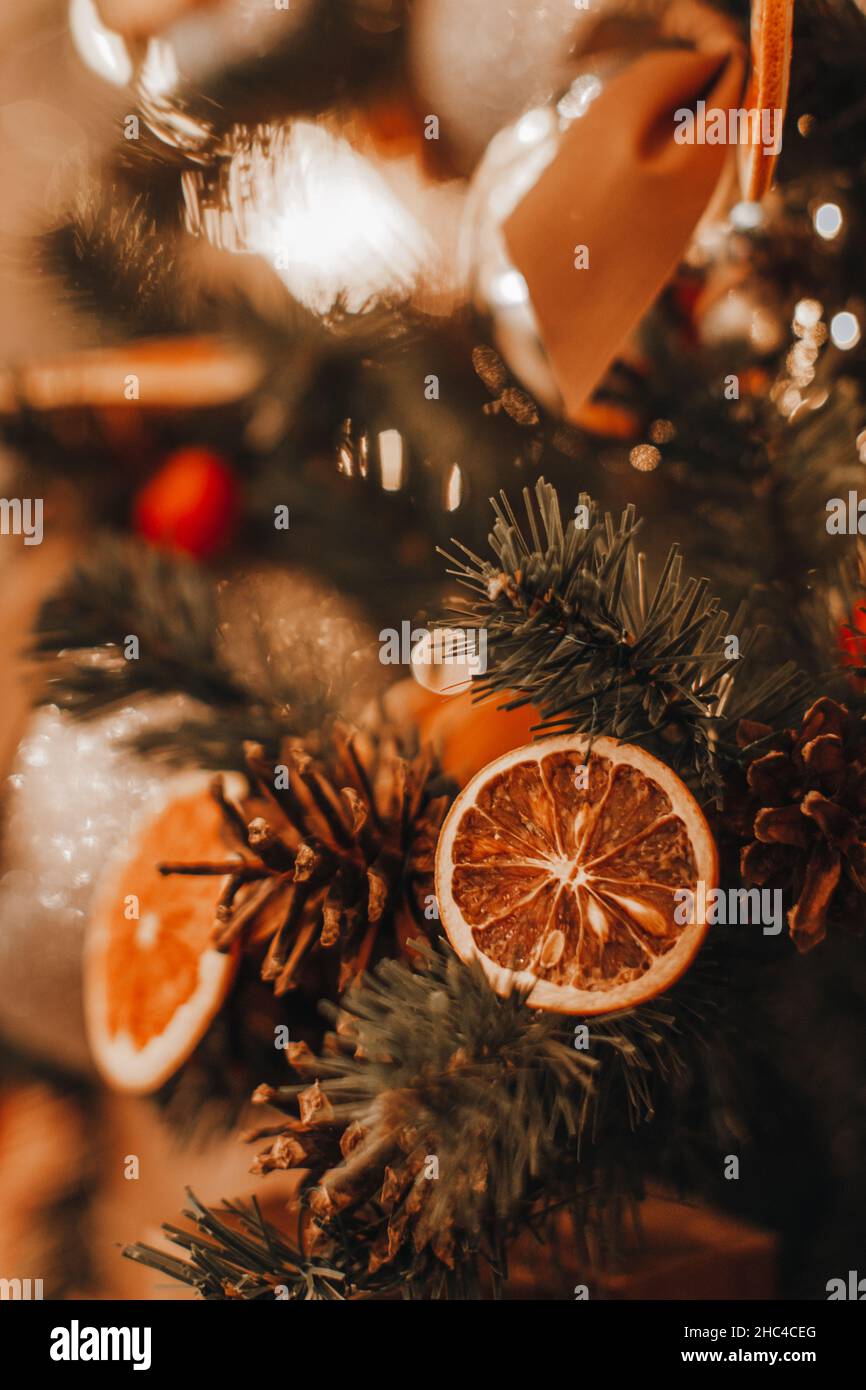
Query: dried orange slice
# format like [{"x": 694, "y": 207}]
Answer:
[
  {"x": 557, "y": 868},
  {"x": 767, "y": 91},
  {"x": 152, "y": 981}
]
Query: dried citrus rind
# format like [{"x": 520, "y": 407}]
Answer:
[
  {"x": 152, "y": 980},
  {"x": 558, "y": 867},
  {"x": 767, "y": 90}
]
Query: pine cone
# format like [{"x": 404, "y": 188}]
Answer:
[
  {"x": 376, "y": 1174},
  {"x": 806, "y": 812},
  {"x": 438, "y": 1119},
  {"x": 337, "y": 848}
]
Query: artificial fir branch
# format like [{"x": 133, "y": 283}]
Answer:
[
  {"x": 429, "y": 1063},
  {"x": 753, "y": 482},
  {"x": 111, "y": 260},
  {"x": 244, "y": 1257},
  {"x": 122, "y": 589},
  {"x": 575, "y": 627}
]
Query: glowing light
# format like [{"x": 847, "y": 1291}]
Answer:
[
  {"x": 579, "y": 97},
  {"x": 391, "y": 460},
  {"x": 764, "y": 332},
  {"x": 509, "y": 289},
  {"x": 159, "y": 72},
  {"x": 644, "y": 457},
  {"x": 808, "y": 312},
  {"x": 531, "y": 127},
  {"x": 322, "y": 214},
  {"x": 104, "y": 52},
  {"x": 801, "y": 360},
  {"x": 454, "y": 489},
  {"x": 662, "y": 431},
  {"x": 827, "y": 220},
  {"x": 845, "y": 330},
  {"x": 746, "y": 216}
]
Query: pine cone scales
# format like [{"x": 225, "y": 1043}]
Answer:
[
  {"x": 377, "y": 1170},
  {"x": 807, "y": 816},
  {"x": 334, "y": 842}
]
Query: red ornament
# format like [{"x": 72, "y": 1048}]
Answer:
[
  {"x": 190, "y": 504},
  {"x": 852, "y": 642}
]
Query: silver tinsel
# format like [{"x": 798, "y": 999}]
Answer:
[{"x": 71, "y": 798}]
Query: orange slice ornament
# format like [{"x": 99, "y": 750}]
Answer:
[
  {"x": 767, "y": 92},
  {"x": 558, "y": 868},
  {"x": 153, "y": 981}
]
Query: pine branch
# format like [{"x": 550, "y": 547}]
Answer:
[
  {"x": 429, "y": 1064},
  {"x": 124, "y": 589},
  {"x": 753, "y": 482},
  {"x": 242, "y": 1258},
  {"x": 575, "y": 628},
  {"x": 113, "y": 261}
]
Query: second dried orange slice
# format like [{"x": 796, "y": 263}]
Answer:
[
  {"x": 559, "y": 866},
  {"x": 153, "y": 981}
]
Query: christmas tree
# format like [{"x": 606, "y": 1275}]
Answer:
[{"x": 447, "y": 420}]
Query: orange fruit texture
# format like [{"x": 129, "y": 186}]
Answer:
[
  {"x": 465, "y": 735},
  {"x": 152, "y": 981},
  {"x": 558, "y": 868}
]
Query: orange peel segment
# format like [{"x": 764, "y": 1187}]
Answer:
[
  {"x": 771, "y": 38},
  {"x": 558, "y": 868},
  {"x": 152, "y": 980}
]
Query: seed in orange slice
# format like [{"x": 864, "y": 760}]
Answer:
[
  {"x": 557, "y": 868},
  {"x": 152, "y": 981}
]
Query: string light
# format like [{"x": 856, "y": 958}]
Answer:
[
  {"x": 810, "y": 333},
  {"x": 845, "y": 330},
  {"x": 747, "y": 216},
  {"x": 827, "y": 221},
  {"x": 807, "y": 314},
  {"x": 509, "y": 288},
  {"x": 391, "y": 460},
  {"x": 454, "y": 489},
  {"x": 321, "y": 213},
  {"x": 645, "y": 457},
  {"x": 662, "y": 431}
]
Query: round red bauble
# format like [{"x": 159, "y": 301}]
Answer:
[
  {"x": 852, "y": 641},
  {"x": 191, "y": 503}
]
